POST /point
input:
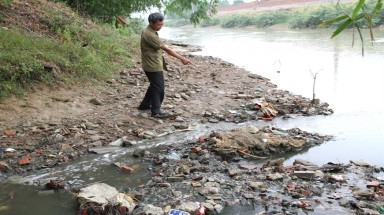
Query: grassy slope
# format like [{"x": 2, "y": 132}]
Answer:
[{"x": 46, "y": 42}]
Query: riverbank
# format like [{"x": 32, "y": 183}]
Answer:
[{"x": 47, "y": 129}]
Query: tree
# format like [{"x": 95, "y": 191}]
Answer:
[
  {"x": 107, "y": 10},
  {"x": 361, "y": 12}
]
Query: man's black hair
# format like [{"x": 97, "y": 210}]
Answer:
[{"x": 155, "y": 17}]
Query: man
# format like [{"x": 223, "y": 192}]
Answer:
[{"x": 152, "y": 63}]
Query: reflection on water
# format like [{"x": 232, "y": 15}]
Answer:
[{"x": 351, "y": 84}]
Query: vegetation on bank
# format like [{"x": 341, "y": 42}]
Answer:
[
  {"x": 68, "y": 48},
  {"x": 295, "y": 19}
]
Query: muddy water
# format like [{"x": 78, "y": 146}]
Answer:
[{"x": 353, "y": 86}]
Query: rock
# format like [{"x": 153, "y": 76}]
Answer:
[
  {"x": 98, "y": 193},
  {"x": 103, "y": 150},
  {"x": 213, "y": 120},
  {"x": 252, "y": 129},
  {"x": 257, "y": 185},
  {"x": 233, "y": 172},
  {"x": 124, "y": 200},
  {"x": 150, "y": 209},
  {"x": 208, "y": 206},
  {"x": 319, "y": 174},
  {"x": 129, "y": 143},
  {"x": 4, "y": 166},
  {"x": 362, "y": 163},
  {"x": 118, "y": 142},
  {"x": 275, "y": 177},
  {"x": 337, "y": 178},
  {"x": 179, "y": 119},
  {"x": 248, "y": 196},
  {"x": 96, "y": 101},
  {"x": 248, "y": 166},
  {"x": 366, "y": 211},
  {"x": 55, "y": 184},
  {"x": 219, "y": 208},
  {"x": 188, "y": 206},
  {"x": 304, "y": 174},
  {"x": 148, "y": 134},
  {"x": 66, "y": 148},
  {"x": 96, "y": 144},
  {"x": 303, "y": 162},
  {"x": 138, "y": 153}
]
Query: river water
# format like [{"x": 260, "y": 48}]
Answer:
[{"x": 351, "y": 84}]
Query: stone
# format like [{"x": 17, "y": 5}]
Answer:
[
  {"x": 138, "y": 153},
  {"x": 233, "y": 172},
  {"x": 189, "y": 206},
  {"x": 3, "y": 166},
  {"x": 303, "y": 162},
  {"x": 275, "y": 177},
  {"x": 66, "y": 148},
  {"x": 208, "y": 206},
  {"x": 96, "y": 101},
  {"x": 118, "y": 142},
  {"x": 248, "y": 196},
  {"x": 99, "y": 193},
  {"x": 151, "y": 209},
  {"x": 362, "y": 163},
  {"x": 248, "y": 166},
  {"x": 179, "y": 119},
  {"x": 124, "y": 200},
  {"x": 257, "y": 185},
  {"x": 304, "y": 174},
  {"x": 213, "y": 120},
  {"x": 219, "y": 208}
]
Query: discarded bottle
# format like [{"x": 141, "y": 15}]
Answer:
[{"x": 177, "y": 212}]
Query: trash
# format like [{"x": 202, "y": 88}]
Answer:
[
  {"x": 177, "y": 212},
  {"x": 267, "y": 109},
  {"x": 201, "y": 210},
  {"x": 90, "y": 208}
]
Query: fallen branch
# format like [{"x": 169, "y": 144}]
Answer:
[{"x": 251, "y": 155}]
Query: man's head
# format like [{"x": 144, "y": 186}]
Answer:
[{"x": 156, "y": 21}]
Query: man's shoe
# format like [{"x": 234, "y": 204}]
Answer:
[
  {"x": 143, "y": 107},
  {"x": 160, "y": 115}
]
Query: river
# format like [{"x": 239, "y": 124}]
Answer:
[{"x": 350, "y": 83}]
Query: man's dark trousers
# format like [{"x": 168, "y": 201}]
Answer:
[{"x": 155, "y": 93}]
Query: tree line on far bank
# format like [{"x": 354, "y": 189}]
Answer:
[{"x": 295, "y": 19}]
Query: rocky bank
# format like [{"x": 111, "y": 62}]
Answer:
[{"x": 51, "y": 127}]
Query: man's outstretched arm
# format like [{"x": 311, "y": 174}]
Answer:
[{"x": 175, "y": 54}]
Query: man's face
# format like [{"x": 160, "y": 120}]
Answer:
[{"x": 156, "y": 26}]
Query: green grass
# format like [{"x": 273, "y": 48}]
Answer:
[{"x": 71, "y": 53}]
